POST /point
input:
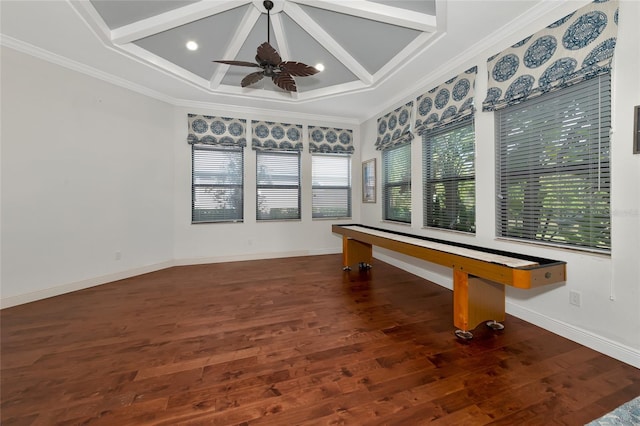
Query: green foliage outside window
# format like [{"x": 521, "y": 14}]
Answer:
[{"x": 449, "y": 177}]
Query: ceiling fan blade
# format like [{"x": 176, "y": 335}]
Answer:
[
  {"x": 254, "y": 77},
  {"x": 298, "y": 69},
  {"x": 266, "y": 53},
  {"x": 239, "y": 63},
  {"x": 285, "y": 81}
]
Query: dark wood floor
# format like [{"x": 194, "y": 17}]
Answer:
[{"x": 286, "y": 342}]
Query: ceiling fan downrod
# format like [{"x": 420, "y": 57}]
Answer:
[{"x": 268, "y": 5}]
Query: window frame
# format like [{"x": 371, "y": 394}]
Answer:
[
  {"x": 432, "y": 167},
  {"x": 348, "y": 188},
  {"x": 263, "y": 186},
  {"x": 195, "y": 186},
  {"x": 578, "y": 232},
  {"x": 389, "y": 186}
]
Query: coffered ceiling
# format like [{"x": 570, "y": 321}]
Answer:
[
  {"x": 355, "y": 51},
  {"x": 373, "y": 52}
]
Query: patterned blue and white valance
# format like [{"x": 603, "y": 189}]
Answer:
[
  {"x": 572, "y": 49},
  {"x": 394, "y": 127},
  {"x": 208, "y": 130},
  {"x": 330, "y": 140},
  {"x": 270, "y": 136},
  {"x": 446, "y": 103}
]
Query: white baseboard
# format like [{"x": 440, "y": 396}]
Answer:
[
  {"x": 253, "y": 256},
  {"x": 7, "y": 302},
  {"x": 586, "y": 338},
  {"x": 434, "y": 277}
]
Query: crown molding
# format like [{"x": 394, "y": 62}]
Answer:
[
  {"x": 45, "y": 55},
  {"x": 269, "y": 112}
]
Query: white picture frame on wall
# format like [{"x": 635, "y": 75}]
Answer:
[
  {"x": 636, "y": 130},
  {"x": 369, "y": 181}
]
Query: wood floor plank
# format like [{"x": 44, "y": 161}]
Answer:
[{"x": 292, "y": 341}]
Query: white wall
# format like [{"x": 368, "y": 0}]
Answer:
[
  {"x": 96, "y": 186},
  {"x": 87, "y": 171},
  {"x": 609, "y": 317},
  {"x": 198, "y": 243}
]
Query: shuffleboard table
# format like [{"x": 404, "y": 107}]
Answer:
[{"x": 479, "y": 274}]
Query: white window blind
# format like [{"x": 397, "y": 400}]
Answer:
[
  {"x": 449, "y": 176},
  {"x": 553, "y": 171},
  {"x": 278, "y": 185},
  {"x": 396, "y": 183},
  {"x": 331, "y": 186},
  {"x": 217, "y": 183}
]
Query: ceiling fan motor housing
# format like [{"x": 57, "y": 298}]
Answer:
[
  {"x": 274, "y": 6},
  {"x": 270, "y": 70}
]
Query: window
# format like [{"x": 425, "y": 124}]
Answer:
[
  {"x": 553, "y": 167},
  {"x": 396, "y": 185},
  {"x": 278, "y": 185},
  {"x": 331, "y": 185},
  {"x": 449, "y": 176},
  {"x": 217, "y": 184}
]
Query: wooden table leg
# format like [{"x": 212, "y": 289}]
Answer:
[
  {"x": 354, "y": 251},
  {"x": 476, "y": 300}
]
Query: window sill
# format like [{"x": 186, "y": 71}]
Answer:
[
  {"x": 450, "y": 231},
  {"x": 215, "y": 222},
  {"x": 277, "y": 220},
  {"x": 551, "y": 246},
  {"x": 393, "y": 222}
]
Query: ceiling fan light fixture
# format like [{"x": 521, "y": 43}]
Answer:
[
  {"x": 267, "y": 58},
  {"x": 192, "y": 45}
]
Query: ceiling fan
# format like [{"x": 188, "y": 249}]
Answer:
[{"x": 267, "y": 58}]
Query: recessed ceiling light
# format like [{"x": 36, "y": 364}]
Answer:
[
  {"x": 192, "y": 45},
  {"x": 320, "y": 67}
]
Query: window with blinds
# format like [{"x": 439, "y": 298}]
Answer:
[
  {"x": 553, "y": 175},
  {"x": 449, "y": 176},
  {"x": 278, "y": 185},
  {"x": 396, "y": 183},
  {"x": 331, "y": 185},
  {"x": 217, "y": 184}
]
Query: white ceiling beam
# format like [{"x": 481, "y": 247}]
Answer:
[
  {"x": 283, "y": 46},
  {"x": 92, "y": 18},
  {"x": 316, "y": 31},
  {"x": 246, "y": 25},
  {"x": 278, "y": 31},
  {"x": 406, "y": 54},
  {"x": 143, "y": 55},
  {"x": 377, "y": 12},
  {"x": 171, "y": 19}
]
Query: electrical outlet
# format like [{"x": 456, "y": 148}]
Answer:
[
  {"x": 574, "y": 297},
  {"x": 118, "y": 255}
]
